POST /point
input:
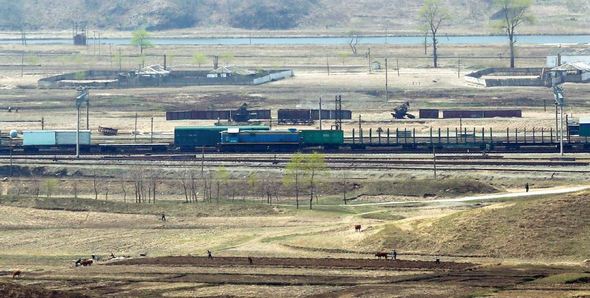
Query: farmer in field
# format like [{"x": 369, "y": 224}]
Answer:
[
  {"x": 526, "y": 187},
  {"x": 209, "y": 254},
  {"x": 394, "y": 255},
  {"x": 163, "y": 217}
]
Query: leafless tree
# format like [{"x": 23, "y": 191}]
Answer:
[
  {"x": 433, "y": 14},
  {"x": 513, "y": 13},
  {"x": 95, "y": 185},
  {"x": 124, "y": 189}
]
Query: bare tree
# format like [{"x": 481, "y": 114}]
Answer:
[
  {"x": 432, "y": 15},
  {"x": 95, "y": 185},
  {"x": 124, "y": 189},
  {"x": 512, "y": 14},
  {"x": 293, "y": 174},
  {"x": 106, "y": 190},
  {"x": 314, "y": 165}
]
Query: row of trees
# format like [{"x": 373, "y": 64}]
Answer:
[
  {"x": 511, "y": 14},
  {"x": 302, "y": 177}
]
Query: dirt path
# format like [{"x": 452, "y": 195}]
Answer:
[{"x": 541, "y": 192}]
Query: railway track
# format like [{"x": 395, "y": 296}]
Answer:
[{"x": 381, "y": 163}]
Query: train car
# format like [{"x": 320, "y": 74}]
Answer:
[
  {"x": 328, "y": 139},
  {"x": 35, "y": 140},
  {"x": 294, "y": 116},
  {"x": 236, "y": 139},
  {"x": 191, "y": 137}
]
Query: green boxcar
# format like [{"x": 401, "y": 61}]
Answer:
[
  {"x": 188, "y": 137},
  {"x": 329, "y": 138},
  {"x": 584, "y": 129}
]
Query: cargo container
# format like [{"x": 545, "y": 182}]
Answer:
[
  {"x": 294, "y": 116},
  {"x": 502, "y": 113},
  {"x": 462, "y": 114},
  {"x": 215, "y": 114},
  {"x": 481, "y": 114},
  {"x": 322, "y": 137},
  {"x": 189, "y": 137},
  {"x": 584, "y": 129},
  {"x": 429, "y": 113},
  {"x": 55, "y": 137}
]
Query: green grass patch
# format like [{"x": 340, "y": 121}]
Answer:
[{"x": 565, "y": 278}]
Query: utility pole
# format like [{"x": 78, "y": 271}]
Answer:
[
  {"x": 152, "y": 131},
  {"x": 386, "y": 81},
  {"x": 135, "y": 129},
  {"x": 369, "y": 56},
  {"x": 459, "y": 68},
  {"x": 434, "y": 160},
  {"x": 397, "y": 66},
  {"x": 202, "y": 161},
  {"x": 320, "y": 116}
]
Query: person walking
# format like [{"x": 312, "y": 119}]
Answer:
[
  {"x": 209, "y": 254},
  {"x": 526, "y": 187}
]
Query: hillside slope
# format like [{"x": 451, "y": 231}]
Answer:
[
  {"x": 536, "y": 229},
  {"x": 396, "y": 16}
]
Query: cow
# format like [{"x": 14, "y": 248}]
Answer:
[
  {"x": 85, "y": 262},
  {"x": 380, "y": 255},
  {"x": 16, "y": 274},
  {"x": 357, "y": 228}
]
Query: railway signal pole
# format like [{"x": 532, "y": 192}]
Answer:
[
  {"x": 80, "y": 100},
  {"x": 559, "y": 102}
]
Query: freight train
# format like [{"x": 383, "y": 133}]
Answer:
[
  {"x": 193, "y": 138},
  {"x": 262, "y": 139}
]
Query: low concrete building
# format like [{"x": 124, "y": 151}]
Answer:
[{"x": 154, "y": 76}]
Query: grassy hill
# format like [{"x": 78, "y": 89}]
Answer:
[
  {"x": 550, "y": 228},
  {"x": 396, "y": 16}
]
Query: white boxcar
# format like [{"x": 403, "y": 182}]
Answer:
[
  {"x": 39, "y": 138},
  {"x": 55, "y": 137},
  {"x": 68, "y": 137}
]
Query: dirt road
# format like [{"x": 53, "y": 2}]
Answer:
[{"x": 490, "y": 197}]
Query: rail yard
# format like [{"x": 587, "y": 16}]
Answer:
[{"x": 293, "y": 166}]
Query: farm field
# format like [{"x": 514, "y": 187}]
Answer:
[{"x": 303, "y": 253}]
